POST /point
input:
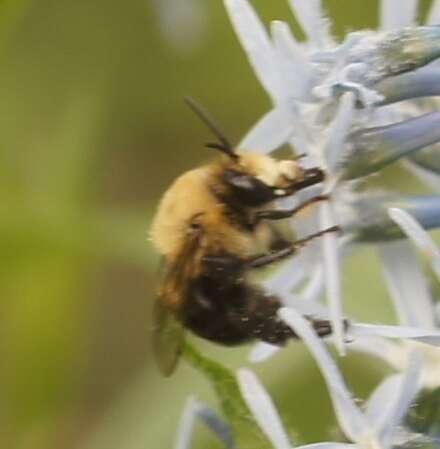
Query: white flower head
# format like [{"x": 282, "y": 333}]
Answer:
[
  {"x": 341, "y": 105},
  {"x": 352, "y": 108}
]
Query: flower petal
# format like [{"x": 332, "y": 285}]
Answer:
[
  {"x": 269, "y": 133},
  {"x": 310, "y": 17},
  {"x": 411, "y": 227},
  {"x": 431, "y": 337},
  {"x": 263, "y": 409},
  {"x": 327, "y": 445},
  {"x": 390, "y": 401},
  {"x": 332, "y": 275},
  {"x": 349, "y": 416},
  {"x": 256, "y": 43},
  {"x": 379, "y": 402},
  {"x": 184, "y": 432},
  {"x": 194, "y": 409},
  {"x": 408, "y": 387},
  {"x": 339, "y": 130},
  {"x": 314, "y": 287},
  {"x": 262, "y": 351},
  {"x": 407, "y": 285},
  {"x": 295, "y": 69},
  {"x": 395, "y": 14},
  {"x": 286, "y": 278}
]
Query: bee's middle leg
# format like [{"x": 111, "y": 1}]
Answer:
[{"x": 289, "y": 249}]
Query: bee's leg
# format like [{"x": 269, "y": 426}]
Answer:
[
  {"x": 311, "y": 177},
  {"x": 197, "y": 410},
  {"x": 262, "y": 260},
  {"x": 286, "y": 213},
  {"x": 322, "y": 327}
]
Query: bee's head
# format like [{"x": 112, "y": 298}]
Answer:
[{"x": 255, "y": 179}]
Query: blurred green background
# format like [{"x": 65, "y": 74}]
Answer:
[{"x": 92, "y": 130}]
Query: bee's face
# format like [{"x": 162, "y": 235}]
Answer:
[
  {"x": 257, "y": 179},
  {"x": 272, "y": 172}
]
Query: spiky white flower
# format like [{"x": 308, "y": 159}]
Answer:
[{"x": 340, "y": 105}]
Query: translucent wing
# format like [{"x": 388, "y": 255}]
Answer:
[
  {"x": 168, "y": 336},
  {"x": 168, "y": 331}
]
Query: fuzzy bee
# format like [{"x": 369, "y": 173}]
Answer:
[{"x": 213, "y": 227}]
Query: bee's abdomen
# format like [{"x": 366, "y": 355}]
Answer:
[{"x": 233, "y": 313}]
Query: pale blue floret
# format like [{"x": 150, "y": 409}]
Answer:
[
  {"x": 420, "y": 83},
  {"x": 366, "y": 216},
  {"x": 371, "y": 149},
  {"x": 195, "y": 410}
]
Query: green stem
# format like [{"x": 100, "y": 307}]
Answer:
[{"x": 247, "y": 434}]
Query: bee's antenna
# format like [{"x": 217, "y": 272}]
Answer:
[{"x": 224, "y": 145}]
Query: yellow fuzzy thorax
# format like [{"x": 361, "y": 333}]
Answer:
[{"x": 191, "y": 194}]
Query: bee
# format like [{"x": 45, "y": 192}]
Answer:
[{"x": 213, "y": 227}]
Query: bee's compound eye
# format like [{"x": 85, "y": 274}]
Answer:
[{"x": 248, "y": 189}]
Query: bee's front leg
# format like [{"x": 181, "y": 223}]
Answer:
[{"x": 280, "y": 214}]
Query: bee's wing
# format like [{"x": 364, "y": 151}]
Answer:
[
  {"x": 168, "y": 332},
  {"x": 168, "y": 336}
]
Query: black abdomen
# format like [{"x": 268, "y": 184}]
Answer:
[{"x": 231, "y": 312}]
